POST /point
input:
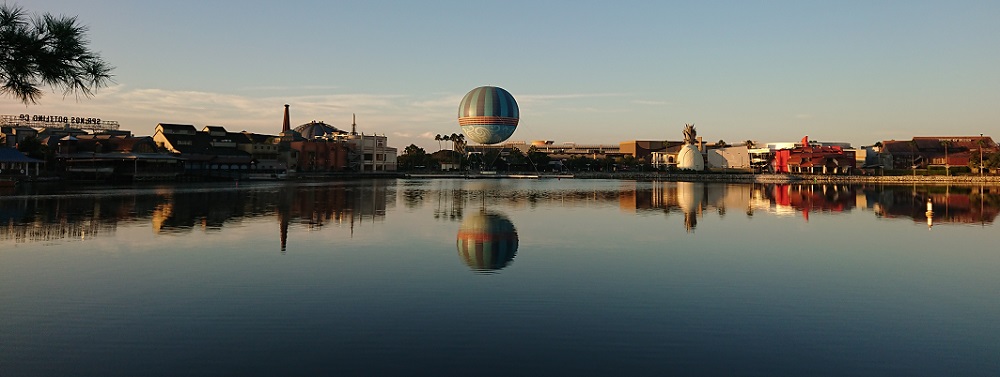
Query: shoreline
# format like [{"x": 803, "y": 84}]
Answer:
[
  {"x": 802, "y": 178},
  {"x": 992, "y": 180}
]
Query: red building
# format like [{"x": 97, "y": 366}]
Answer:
[
  {"x": 320, "y": 155},
  {"x": 815, "y": 159}
]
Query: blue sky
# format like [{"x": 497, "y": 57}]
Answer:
[{"x": 581, "y": 71}]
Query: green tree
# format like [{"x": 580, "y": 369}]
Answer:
[
  {"x": 414, "y": 158},
  {"x": 974, "y": 162},
  {"x": 628, "y": 162},
  {"x": 538, "y": 158},
  {"x": 878, "y": 147},
  {"x": 46, "y": 50},
  {"x": 993, "y": 161},
  {"x": 32, "y": 147}
]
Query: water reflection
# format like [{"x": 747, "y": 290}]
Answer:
[
  {"x": 487, "y": 241},
  {"x": 811, "y": 198},
  {"x": 77, "y": 213},
  {"x": 948, "y": 204},
  {"x": 180, "y": 209}
]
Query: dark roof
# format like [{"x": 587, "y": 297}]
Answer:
[
  {"x": 167, "y": 127},
  {"x": 954, "y": 142},
  {"x": 215, "y": 129},
  {"x": 257, "y": 138},
  {"x": 926, "y": 144},
  {"x": 315, "y": 129},
  {"x": 14, "y": 155}
]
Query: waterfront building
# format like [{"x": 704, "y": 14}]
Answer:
[
  {"x": 815, "y": 158},
  {"x": 376, "y": 154},
  {"x": 17, "y": 128},
  {"x": 319, "y": 149},
  {"x": 643, "y": 150},
  {"x": 324, "y": 147},
  {"x": 318, "y": 146},
  {"x": 211, "y": 152},
  {"x": 934, "y": 151},
  {"x": 735, "y": 157},
  {"x": 10, "y": 136},
  {"x": 103, "y": 156},
  {"x": 14, "y": 164}
]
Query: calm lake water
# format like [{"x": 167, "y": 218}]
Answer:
[{"x": 500, "y": 277}]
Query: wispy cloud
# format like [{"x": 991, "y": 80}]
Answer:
[
  {"x": 275, "y": 88},
  {"x": 651, "y": 102},
  {"x": 529, "y": 98}
]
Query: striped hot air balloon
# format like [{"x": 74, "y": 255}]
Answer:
[
  {"x": 487, "y": 241},
  {"x": 488, "y": 115}
]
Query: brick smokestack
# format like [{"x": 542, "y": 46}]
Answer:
[{"x": 286, "y": 125}]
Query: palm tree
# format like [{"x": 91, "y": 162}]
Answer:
[
  {"x": 947, "y": 166},
  {"x": 438, "y": 139},
  {"x": 749, "y": 144},
  {"x": 459, "y": 143},
  {"x": 46, "y": 50}
]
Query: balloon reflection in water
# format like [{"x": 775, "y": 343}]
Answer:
[{"x": 487, "y": 241}]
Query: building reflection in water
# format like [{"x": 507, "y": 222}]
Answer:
[
  {"x": 951, "y": 204},
  {"x": 791, "y": 198},
  {"x": 343, "y": 205},
  {"x": 173, "y": 210},
  {"x": 487, "y": 241},
  {"x": 969, "y": 205},
  {"x": 311, "y": 206},
  {"x": 183, "y": 208}
]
